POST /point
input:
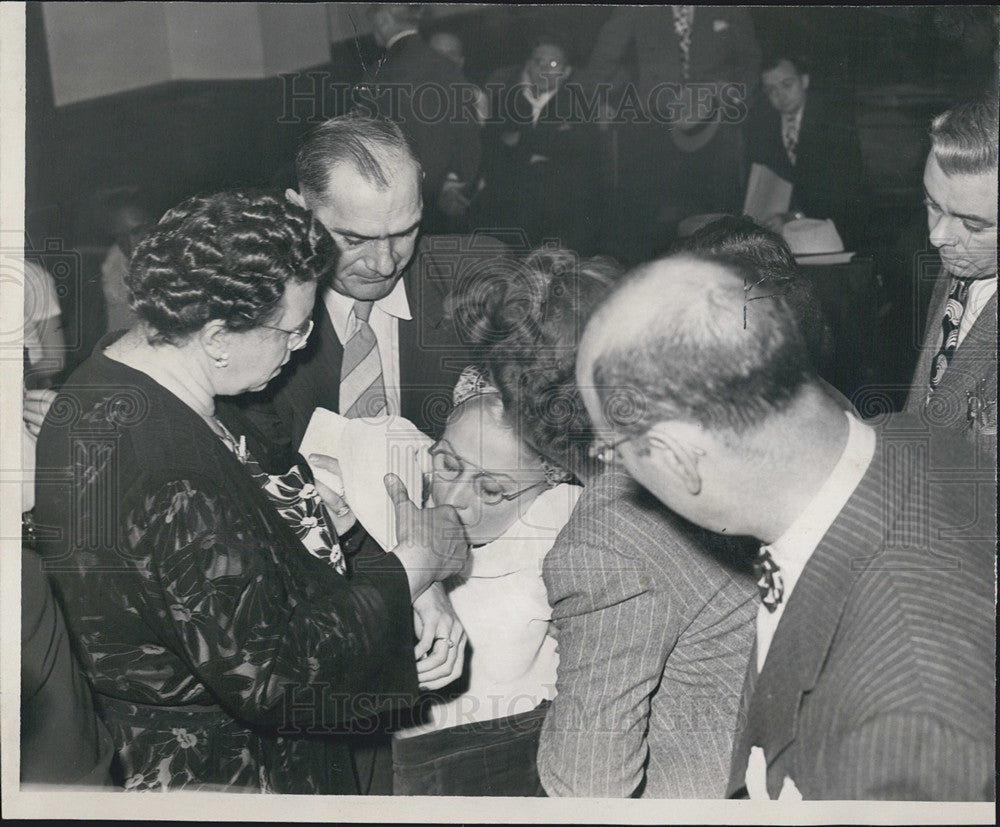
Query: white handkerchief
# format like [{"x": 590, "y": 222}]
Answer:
[{"x": 368, "y": 449}]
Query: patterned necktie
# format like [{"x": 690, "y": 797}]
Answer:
[
  {"x": 770, "y": 583},
  {"x": 683, "y": 22},
  {"x": 954, "y": 309},
  {"x": 362, "y": 389},
  {"x": 790, "y": 136}
]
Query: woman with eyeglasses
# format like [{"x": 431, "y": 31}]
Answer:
[
  {"x": 199, "y": 567},
  {"x": 479, "y": 736},
  {"x": 654, "y": 617}
]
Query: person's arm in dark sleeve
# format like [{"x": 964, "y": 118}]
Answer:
[{"x": 260, "y": 628}]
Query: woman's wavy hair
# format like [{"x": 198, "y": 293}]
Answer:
[
  {"x": 526, "y": 316},
  {"x": 225, "y": 256}
]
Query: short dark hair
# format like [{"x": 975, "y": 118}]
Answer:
[
  {"x": 226, "y": 256},
  {"x": 362, "y": 140},
  {"x": 527, "y": 315},
  {"x": 964, "y": 139},
  {"x": 768, "y": 255},
  {"x": 686, "y": 366},
  {"x": 770, "y": 61}
]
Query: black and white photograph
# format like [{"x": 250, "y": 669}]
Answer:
[{"x": 425, "y": 410}]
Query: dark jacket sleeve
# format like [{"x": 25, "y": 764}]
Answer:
[{"x": 62, "y": 739}]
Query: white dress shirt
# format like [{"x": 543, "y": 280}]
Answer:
[
  {"x": 537, "y": 102},
  {"x": 980, "y": 292},
  {"x": 792, "y": 550},
  {"x": 384, "y": 321}
]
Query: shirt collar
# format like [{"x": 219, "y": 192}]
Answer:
[
  {"x": 537, "y": 101},
  {"x": 792, "y": 550},
  {"x": 340, "y": 306},
  {"x": 392, "y": 41}
]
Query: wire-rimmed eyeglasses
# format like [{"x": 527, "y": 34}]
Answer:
[
  {"x": 296, "y": 338},
  {"x": 447, "y": 465}
]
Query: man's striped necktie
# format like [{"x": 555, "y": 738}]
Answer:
[{"x": 362, "y": 388}]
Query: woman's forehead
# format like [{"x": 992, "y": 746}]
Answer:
[{"x": 478, "y": 435}]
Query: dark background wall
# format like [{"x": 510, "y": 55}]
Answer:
[{"x": 898, "y": 65}]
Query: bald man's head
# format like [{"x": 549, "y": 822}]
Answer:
[{"x": 684, "y": 339}]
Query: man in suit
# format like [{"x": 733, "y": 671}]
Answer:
[
  {"x": 429, "y": 97},
  {"x": 872, "y": 675},
  {"x": 685, "y": 56},
  {"x": 541, "y": 156},
  {"x": 955, "y": 381},
  {"x": 811, "y": 143},
  {"x": 361, "y": 179}
]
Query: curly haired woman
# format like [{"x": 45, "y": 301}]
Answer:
[{"x": 201, "y": 577}]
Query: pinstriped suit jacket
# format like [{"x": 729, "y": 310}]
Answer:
[
  {"x": 879, "y": 683},
  {"x": 654, "y": 632},
  {"x": 974, "y": 361}
]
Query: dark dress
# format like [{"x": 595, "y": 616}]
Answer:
[{"x": 223, "y": 654}]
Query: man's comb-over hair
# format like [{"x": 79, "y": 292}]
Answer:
[
  {"x": 964, "y": 139},
  {"x": 361, "y": 140},
  {"x": 695, "y": 361}
]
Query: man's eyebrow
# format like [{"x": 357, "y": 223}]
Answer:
[
  {"x": 964, "y": 216},
  {"x": 361, "y": 237}
]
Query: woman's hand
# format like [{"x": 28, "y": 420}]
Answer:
[
  {"x": 440, "y": 650},
  {"x": 340, "y": 512}
]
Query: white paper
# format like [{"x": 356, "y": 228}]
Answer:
[
  {"x": 767, "y": 194},
  {"x": 368, "y": 449}
]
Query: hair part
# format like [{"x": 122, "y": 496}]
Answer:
[
  {"x": 964, "y": 139},
  {"x": 373, "y": 146}
]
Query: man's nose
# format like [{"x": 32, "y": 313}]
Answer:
[
  {"x": 942, "y": 230},
  {"x": 380, "y": 259}
]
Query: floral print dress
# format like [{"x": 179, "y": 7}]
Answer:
[{"x": 226, "y": 648}]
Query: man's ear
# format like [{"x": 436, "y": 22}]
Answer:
[
  {"x": 677, "y": 453},
  {"x": 295, "y": 198},
  {"x": 805, "y": 81}
]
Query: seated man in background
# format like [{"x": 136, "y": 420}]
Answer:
[
  {"x": 873, "y": 672},
  {"x": 803, "y": 138},
  {"x": 542, "y": 169}
]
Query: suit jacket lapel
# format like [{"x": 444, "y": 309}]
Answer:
[{"x": 808, "y": 626}]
